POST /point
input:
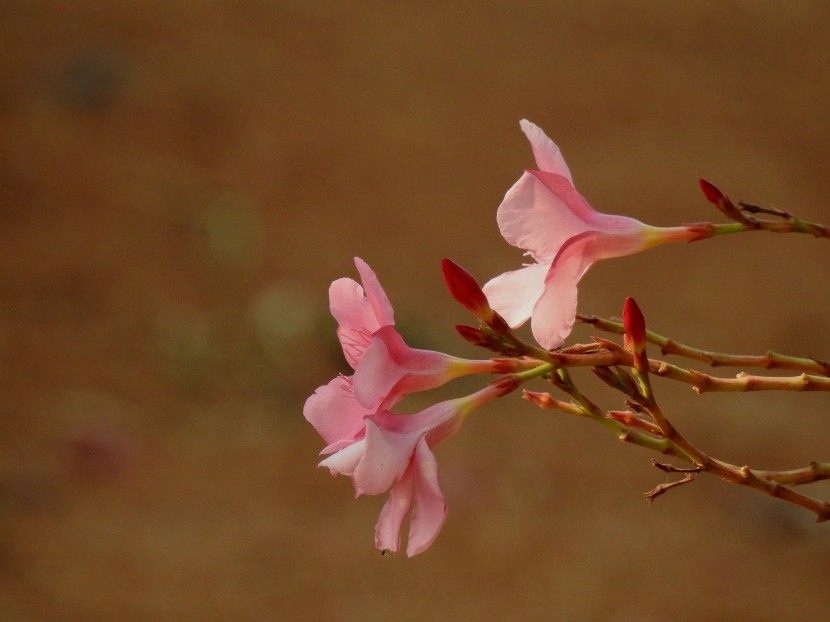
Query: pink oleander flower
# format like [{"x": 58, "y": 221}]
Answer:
[
  {"x": 394, "y": 452},
  {"x": 386, "y": 369},
  {"x": 390, "y": 369},
  {"x": 380, "y": 449},
  {"x": 545, "y": 215},
  {"x": 360, "y": 311}
]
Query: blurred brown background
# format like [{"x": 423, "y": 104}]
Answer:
[{"x": 180, "y": 182}]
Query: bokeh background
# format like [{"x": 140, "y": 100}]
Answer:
[{"x": 180, "y": 182}]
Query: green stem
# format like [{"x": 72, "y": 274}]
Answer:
[{"x": 770, "y": 360}]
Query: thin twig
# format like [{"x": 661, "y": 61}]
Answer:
[
  {"x": 770, "y": 360},
  {"x": 660, "y": 489}
]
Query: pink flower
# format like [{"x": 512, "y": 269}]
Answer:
[
  {"x": 395, "y": 453},
  {"x": 545, "y": 215},
  {"x": 379, "y": 449},
  {"x": 390, "y": 369}
]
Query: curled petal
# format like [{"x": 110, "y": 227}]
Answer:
[
  {"x": 547, "y": 154},
  {"x": 514, "y": 294},
  {"x": 385, "y": 459},
  {"x": 345, "y": 461},
  {"x": 430, "y": 510},
  {"x": 359, "y": 312},
  {"x": 355, "y": 317},
  {"x": 395, "y": 510},
  {"x": 374, "y": 292}
]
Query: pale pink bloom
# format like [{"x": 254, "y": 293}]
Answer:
[
  {"x": 335, "y": 413},
  {"x": 395, "y": 452},
  {"x": 545, "y": 215},
  {"x": 390, "y": 369},
  {"x": 359, "y": 311},
  {"x": 386, "y": 369}
]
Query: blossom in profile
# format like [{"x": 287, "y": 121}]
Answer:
[
  {"x": 389, "y": 369},
  {"x": 379, "y": 449},
  {"x": 395, "y": 454},
  {"x": 359, "y": 310},
  {"x": 544, "y": 215}
]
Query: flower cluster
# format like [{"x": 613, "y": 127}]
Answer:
[
  {"x": 380, "y": 450},
  {"x": 543, "y": 214}
]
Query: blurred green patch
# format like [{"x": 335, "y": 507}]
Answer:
[
  {"x": 232, "y": 229},
  {"x": 185, "y": 338},
  {"x": 283, "y": 312}
]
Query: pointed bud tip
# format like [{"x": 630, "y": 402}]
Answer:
[
  {"x": 711, "y": 192},
  {"x": 472, "y": 334},
  {"x": 634, "y": 324},
  {"x": 466, "y": 290}
]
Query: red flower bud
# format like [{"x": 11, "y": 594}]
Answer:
[
  {"x": 711, "y": 192},
  {"x": 466, "y": 290},
  {"x": 635, "y": 326},
  {"x": 473, "y": 335}
]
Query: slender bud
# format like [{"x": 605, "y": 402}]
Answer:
[
  {"x": 484, "y": 339},
  {"x": 466, "y": 290},
  {"x": 711, "y": 192},
  {"x": 505, "y": 384},
  {"x": 721, "y": 201},
  {"x": 635, "y": 327},
  {"x": 473, "y": 335},
  {"x": 634, "y": 339},
  {"x": 546, "y": 400},
  {"x": 629, "y": 419}
]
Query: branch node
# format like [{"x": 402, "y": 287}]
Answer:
[{"x": 668, "y": 468}]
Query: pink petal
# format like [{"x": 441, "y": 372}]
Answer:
[
  {"x": 388, "y": 528},
  {"x": 390, "y": 369},
  {"x": 514, "y": 294},
  {"x": 334, "y": 412},
  {"x": 547, "y": 154},
  {"x": 345, "y": 461},
  {"x": 374, "y": 292},
  {"x": 359, "y": 313},
  {"x": 555, "y": 312},
  {"x": 430, "y": 509},
  {"x": 385, "y": 459},
  {"x": 355, "y": 318},
  {"x": 540, "y": 212}
]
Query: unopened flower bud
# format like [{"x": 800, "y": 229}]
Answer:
[
  {"x": 629, "y": 419},
  {"x": 466, "y": 290},
  {"x": 540, "y": 398},
  {"x": 473, "y": 335},
  {"x": 635, "y": 334},
  {"x": 546, "y": 400},
  {"x": 635, "y": 326},
  {"x": 505, "y": 384},
  {"x": 711, "y": 192}
]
